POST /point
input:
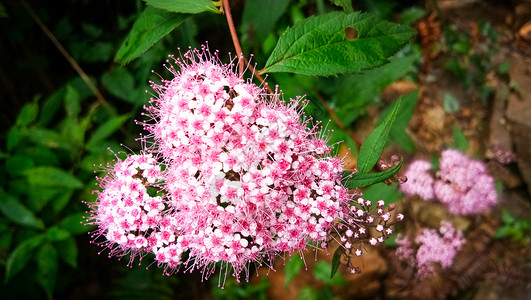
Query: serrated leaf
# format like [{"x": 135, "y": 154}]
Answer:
[
  {"x": 21, "y": 255},
  {"x": 18, "y": 213},
  {"x": 374, "y": 143},
  {"x": 52, "y": 177},
  {"x": 47, "y": 268},
  {"x": 292, "y": 268},
  {"x": 184, "y": 6},
  {"x": 336, "y": 260},
  {"x": 107, "y": 129},
  {"x": 67, "y": 251},
  {"x": 259, "y": 17},
  {"x": 318, "y": 46},
  {"x": 151, "y": 26},
  {"x": 366, "y": 179}
]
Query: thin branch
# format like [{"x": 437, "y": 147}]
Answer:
[
  {"x": 65, "y": 53},
  {"x": 234, "y": 35}
]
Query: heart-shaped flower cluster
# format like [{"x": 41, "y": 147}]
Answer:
[{"x": 233, "y": 175}]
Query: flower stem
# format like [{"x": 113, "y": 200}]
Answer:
[{"x": 234, "y": 35}]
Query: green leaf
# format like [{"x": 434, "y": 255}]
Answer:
[
  {"x": 345, "y": 4},
  {"x": 18, "y": 213},
  {"x": 460, "y": 141},
  {"x": 28, "y": 114},
  {"x": 52, "y": 177},
  {"x": 17, "y": 164},
  {"x": 292, "y": 268},
  {"x": 336, "y": 260},
  {"x": 72, "y": 102},
  {"x": 21, "y": 255},
  {"x": 403, "y": 116},
  {"x": 56, "y": 234},
  {"x": 259, "y": 17},
  {"x": 322, "y": 272},
  {"x": 374, "y": 143},
  {"x": 379, "y": 191},
  {"x": 308, "y": 293},
  {"x": 151, "y": 26},
  {"x": 365, "y": 179},
  {"x": 106, "y": 130},
  {"x": 184, "y": 6},
  {"x": 318, "y": 46},
  {"x": 67, "y": 251},
  {"x": 120, "y": 83},
  {"x": 47, "y": 268},
  {"x": 412, "y": 15},
  {"x": 75, "y": 224}
]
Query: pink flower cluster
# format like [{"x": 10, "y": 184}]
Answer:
[
  {"x": 432, "y": 246},
  {"x": 232, "y": 175},
  {"x": 462, "y": 184}
]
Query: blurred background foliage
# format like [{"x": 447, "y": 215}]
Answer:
[{"x": 56, "y": 130}]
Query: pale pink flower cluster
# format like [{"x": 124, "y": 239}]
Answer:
[
  {"x": 462, "y": 184},
  {"x": 233, "y": 175},
  {"x": 432, "y": 246}
]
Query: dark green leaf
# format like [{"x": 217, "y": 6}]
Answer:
[
  {"x": 75, "y": 224},
  {"x": 184, "y": 6},
  {"x": 67, "y": 250},
  {"x": 151, "y": 26},
  {"x": 28, "y": 114},
  {"x": 18, "y": 213},
  {"x": 322, "y": 271},
  {"x": 106, "y": 129},
  {"x": 336, "y": 260},
  {"x": 403, "y": 116},
  {"x": 56, "y": 234},
  {"x": 14, "y": 137},
  {"x": 460, "y": 141},
  {"x": 21, "y": 255},
  {"x": 259, "y": 17},
  {"x": 52, "y": 176},
  {"x": 47, "y": 268},
  {"x": 318, "y": 45},
  {"x": 293, "y": 266},
  {"x": 17, "y": 164},
  {"x": 373, "y": 145},
  {"x": 61, "y": 200},
  {"x": 120, "y": 83},
  {"x": 50, "y": 107},
  {"x": 365, "y": 179}
]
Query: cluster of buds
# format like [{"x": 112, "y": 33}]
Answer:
[{"x": 233, "y": 175}]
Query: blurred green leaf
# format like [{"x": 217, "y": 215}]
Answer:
[
  {"x": 374, "y": 143},
  {"x": 52, "y": 177},
  {"x": 365, "y": 179},
  {"x": 405, "y": 113},
  {"x": 318, "y": 45},
  {"x": 120, "y": 83},
  {"x": 61, "y": 200},
  {"x": 460, "y": 141},
  {"x": 47, "y": 268},
  {"x": 56, "y": 234},
  {"x": 106, "y": 129},
  {"x": 50, "y": 107},
  {"x": 67, "y": 251},
  {"x": 185, "y": 6},
  {"x": 75, "y": 224},
  {"x": 308, "y": 293},
  {"x": 28, "y": 114},
  {"x": 151, "y": 26},
  {"x": 18, "y": 213},
  {"x": 21, "y": 255},
  {"x": 411, "y": 15},
  {"x": 72, "y": 102},
  {"x": 345, "y": 4},
  {"x": 17, "y": 164},
  {"x": 322, "y": 271},
  {"x": 293, "y": 266},
  {"x": 336, "y": 260},
  {"x": 14, "y": 137},
  {"x": 259, "y": 17}
]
